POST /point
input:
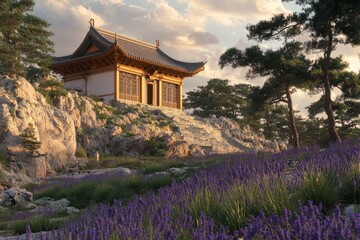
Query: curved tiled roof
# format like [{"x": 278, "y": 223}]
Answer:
[{"x": 131, "y": 48}]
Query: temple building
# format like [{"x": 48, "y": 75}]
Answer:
[{"x": 111, "y": 66}]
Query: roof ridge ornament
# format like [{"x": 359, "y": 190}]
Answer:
[
  {"x": 157, "y": 42},
  {"x": 92, "y": 22}
]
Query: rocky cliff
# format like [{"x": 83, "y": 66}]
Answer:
[
  {"x": 78, "y": 126},
  {"x": 20, "y": 106}
]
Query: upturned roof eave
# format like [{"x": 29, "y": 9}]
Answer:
[{"x": 111, "y": 46}]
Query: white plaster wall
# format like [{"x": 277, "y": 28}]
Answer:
[
  {"x": 77, "y": 84},
  {"x": 101, "y": 84}
]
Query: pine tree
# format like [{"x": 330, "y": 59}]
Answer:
[
  {"x": 328, "y": 23},
  {"x": 30, "y": 141},
  {"x": 286, "y": 69},
  {"x": 24, "y": 40}
]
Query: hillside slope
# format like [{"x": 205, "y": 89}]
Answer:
[{"x": 78, "y": 125}]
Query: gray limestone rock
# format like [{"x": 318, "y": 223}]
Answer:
[{"x": 16, "y": 197}]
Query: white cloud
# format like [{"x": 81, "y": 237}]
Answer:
[
  {"x": 69, "y": 22},
  {"x": 188, "y": 30}
]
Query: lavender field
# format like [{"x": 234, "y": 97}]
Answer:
[{"x": 297, "y": 194}]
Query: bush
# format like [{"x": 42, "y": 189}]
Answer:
[
  {"x": 320, "y": 188},
  {"x": 349, "y": 191},
  {"x": 81, "y": 152},
  {"x": 155, "y": 147},
  {"x": 4, "y": 160},
  {"x": 52, "y": 89},
  {"x": 30, "y": 141}
]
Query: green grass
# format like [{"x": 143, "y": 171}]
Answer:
[
  {"x": 128, "y": 162},
  {"x": 91, "y": 191},
  {"x": 320, "y": 187},
  {"x": 37, "y": 224},
  {"x": 268, "y": 195},
  {"x": 86, "y": 193},
  {"x": 349, "y": 191},
  {"x": 150, "y": 164}
]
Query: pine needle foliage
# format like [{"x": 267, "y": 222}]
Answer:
[
  {"x": 25, "y": 45},
  {"x": 30, "y": 141}
]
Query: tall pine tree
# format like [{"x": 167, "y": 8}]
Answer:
[
  {"x": 328, "y": 23},
  {"x": 24, "y": 40},
  {"x": 286, "y": 69}
]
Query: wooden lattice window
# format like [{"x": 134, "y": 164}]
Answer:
[
  {"x": 170, "y": 95},
  {"x": 130, "y": 86}
]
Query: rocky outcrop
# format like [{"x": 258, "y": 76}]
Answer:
[
  {"x": 218, "y": 135},
  {"x": 79, "y": 126},
  {"x": 21, "y": 106}
]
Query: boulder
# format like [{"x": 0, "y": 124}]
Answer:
[
  {"x": 197, "y": 150},
  {"x": 178, "y": 149},
  {"x": 16, "y": 197},
  {"x": 54, "y": 205}
]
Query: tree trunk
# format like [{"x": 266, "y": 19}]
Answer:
[
  {"x": 294, "y": 131},
  {"x": 333, "y": 134}
]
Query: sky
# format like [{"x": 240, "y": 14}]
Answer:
[{"x": 188, "y": 30}]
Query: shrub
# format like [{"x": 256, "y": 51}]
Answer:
[
  {"x": 52, "y": 89},
  {"x": 205, "y": 201},
  {"x": 155, "y": 147},
  {"x": 81, "y": 152},
  {"x": 30, "y": 141},
  {"x": 4, "y": 160},
  {"x": 349, "y": 191},
  {"x": 320, "y": 187}
]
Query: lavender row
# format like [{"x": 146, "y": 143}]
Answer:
[{"x": 192, "y": 209}]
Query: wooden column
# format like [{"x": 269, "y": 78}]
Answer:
[
  {"x": 143, "y": 90},
  {"x": 86, "y": 79},
  {"x": 160, "y": 93},
  {"x": 116, "y": 83},
  {"x": 180, "y": 95}
]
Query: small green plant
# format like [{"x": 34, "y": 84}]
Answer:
[
  {"x": 52, "y": 89},
  {"x": 81, "y": 152},
  {"x": 30, "y": 186},
  {"x": 156, "y": 146},
  {"x": 174, "y": 127},
  {"x": 4, "y": 160},
  {"x": 1, "y": 174},
  {"x": 205, "y": 200},
  {"x": 349, "y": 191},
  {"x": 320, "y": 187},
  {"x": 30, "y": 141},
  {"x": 130, "y": 109},
  {"x": 101, "y": 112},
  {"x": 129, "y": 134},
  {"x": 234, "y": 211}
]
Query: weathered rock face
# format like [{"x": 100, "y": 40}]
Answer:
[{"x": 20, "y": 106}]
